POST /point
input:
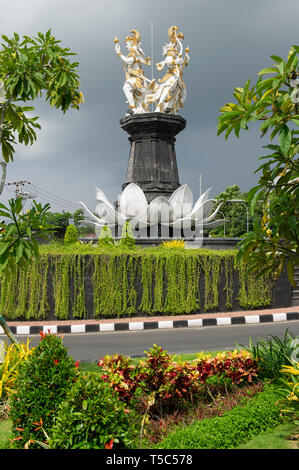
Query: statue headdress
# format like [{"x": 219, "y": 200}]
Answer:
[
  {"x": 135, "y": 38},
  {"x": 172, "y": 33}
]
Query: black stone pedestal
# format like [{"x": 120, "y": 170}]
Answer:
[{"x": 152, "y": 161}]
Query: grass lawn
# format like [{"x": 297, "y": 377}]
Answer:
[
  {"x": 93, "y": 367},
  {"x": 277, "y": 438},
  {"x": 5, "y": 432}
]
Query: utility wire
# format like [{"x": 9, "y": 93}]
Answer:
[
  {"x": 41, "y": 193},
  {"x": 46, "y": 195}
]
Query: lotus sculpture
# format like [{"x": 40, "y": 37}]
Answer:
[{"x": 177, "y": 212}]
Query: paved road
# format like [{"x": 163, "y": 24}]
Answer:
[{"x": 90, "y": 347}]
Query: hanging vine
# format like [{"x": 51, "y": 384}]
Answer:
[{"x": 126, "y": 283}]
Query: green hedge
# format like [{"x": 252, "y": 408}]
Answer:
[
  {"x": 124, "y": 282},
  {"x": 238, "y": 425}
]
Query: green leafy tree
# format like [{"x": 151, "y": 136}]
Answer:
[
  {"x": 29, "y": 67},
  {"x": 59, "y": 219},
  {"x": 78, "y": 216},
  {"x": 274, "y": 241},
  {"x": 19, "y": 236},
  {"x": 235, "y": 210}
]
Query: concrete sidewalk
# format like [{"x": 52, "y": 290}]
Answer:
[{"x": 154, "y": 322}]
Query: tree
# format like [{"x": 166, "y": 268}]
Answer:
[
  {"x": 29, "y": 67},
  {"x": 273, "y": 244},
  {"x": 234, "y": 211},
  {"x": 78, "y": 216},
  {"x": 18, "y": 239}
]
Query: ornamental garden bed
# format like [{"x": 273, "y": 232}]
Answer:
[
  {"x": 89, "y": 282},
  {"x": 216, "y": 401}
]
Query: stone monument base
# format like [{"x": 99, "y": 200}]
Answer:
[{"x": 152, "y": 160}]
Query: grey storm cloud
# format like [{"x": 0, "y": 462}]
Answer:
[{"x": 230, "y": 41}]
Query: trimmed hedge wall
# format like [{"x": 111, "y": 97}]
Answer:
[{"x": 98, "y": 284}]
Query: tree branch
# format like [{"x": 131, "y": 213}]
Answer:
[{"x": 3, "y": 178}]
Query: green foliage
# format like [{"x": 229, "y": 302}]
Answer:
[
  {"x": 30, "y": 66},
  {"x": 18, "y": 237},
  {"x": 238, "y": 425},
  {"x": 106, "y": 239},
  {"x": 126, "y": 282},
  {"x": 42, "y": 383},
  {"x": 58, "y": 219},
  {"x": 71, "y": 235},
  {"x": 255, "y": 291},
  {"x": 271, "y": 354},
  {"x": 78, "y": 216},
  {"x": 164, "y": 382},
  {"x": 14, "y": 355},
  {"x": 272, "y": 244},
  {"x": 233, "y": 211},
  {"x": 290, "y": 380},
  {"x": 92, "y": 417},
  {"x": 127, "y": 239}
]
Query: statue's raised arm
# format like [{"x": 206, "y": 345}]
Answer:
[{"x": 135, "y": 86}]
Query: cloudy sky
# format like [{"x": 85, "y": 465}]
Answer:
[{"x": 229, "y": 41}]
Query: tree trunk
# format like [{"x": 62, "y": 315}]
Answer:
[{"x": 7, "y": 330}]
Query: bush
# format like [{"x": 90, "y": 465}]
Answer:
[
  {"x": 173, "y": 244},
  {"x": 106, "y": 239},
  {"x": 237, "y": 366},
  {"x": 272, "y": 354},
  {"x": 71, "y": 235},
  {"x": 158, "y": 377},
  {"x": 14, "y": 355},
  {"x": 291, "y": 389},
  {"x": 127, "y": 239},
  {"x": 121, "y": 374},
  {"x": 232, "y": 428},
  {"x": 42, "y": 383},
  {"x": 92, "y": 417},
  {"x": 169, "y": 383}
]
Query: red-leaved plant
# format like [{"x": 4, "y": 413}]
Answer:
[{"x": 169, "y": 381}]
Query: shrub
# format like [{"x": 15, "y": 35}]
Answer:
[
  {"x": 238, "y": 367},
  {"x": 272, "y": 353},
  {"x": 92, "y": 417},
  {"x": 171, "y": 383},
  {"x": 127, "y": 238},
  {"x": 158, "y": 377},
  {"x": 106, "y": 238},
  {"x": 42, "y": 383},
  {"x": 71, "y": 235},
  {"x": 122, "y": 375},
  {"x": 290, "y": 381},
  {"x": 173, "y": 244},
  {"x": 14, "y": 355},
  {"x": 238, "y": 425}
]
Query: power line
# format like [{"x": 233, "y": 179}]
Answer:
[
  {"x": 54, "y": 196},
  {"x": 41, "y": 193},
  {"x": 57, "y": 203}
]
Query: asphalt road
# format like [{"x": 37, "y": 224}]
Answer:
[{"x": 89, "y": 347}]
